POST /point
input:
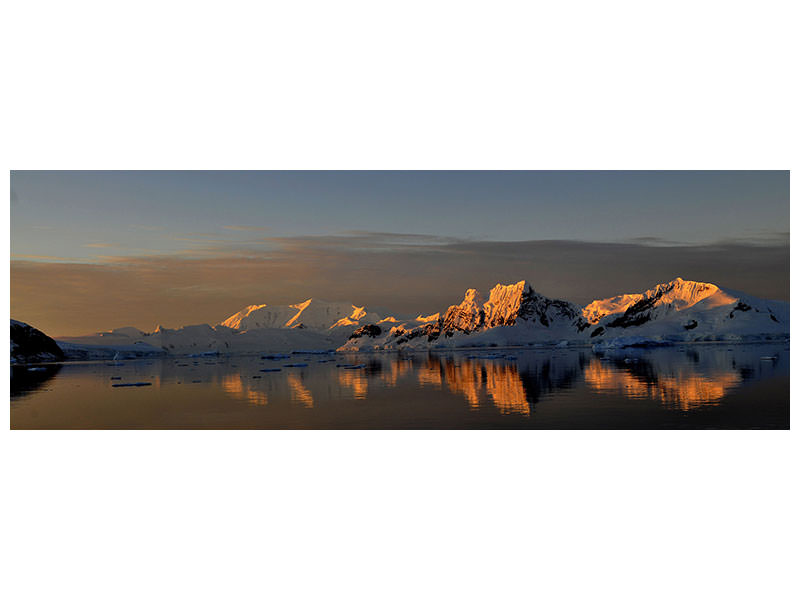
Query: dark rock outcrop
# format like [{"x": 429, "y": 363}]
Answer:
[
  {"x": 741, "y": 307},
  {"x": 368, "y": 330},
  {"x": 29, "y": 345}
]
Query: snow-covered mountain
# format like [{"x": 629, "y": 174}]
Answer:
[
  {"x": 512, "y": 314},
  {"x": 198, "y": 339},
  {"x": 515, "y": 314},
  {"x": 311, "y": 314},
  {"x": 309, "y": 325},
  {"x": 687, "y": 310}
]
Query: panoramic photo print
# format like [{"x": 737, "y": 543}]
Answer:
[{"x": 399, "y": 300}]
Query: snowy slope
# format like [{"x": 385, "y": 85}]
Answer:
[
  {"x": 309, "y": 325},
  {"x": 682, "y": 310},
  {"x": 197, "y": 339},
  {"x": 513, "y": 314},
  {"x": 676, "y": 294},
  {"x": 675, "y": 311},
  {"x": 311, "y": 314}
]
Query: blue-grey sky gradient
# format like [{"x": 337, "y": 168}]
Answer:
[{"x": 80, "y": 215}]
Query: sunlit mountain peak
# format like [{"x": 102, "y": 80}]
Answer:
[{"x": 679, "y": 294}]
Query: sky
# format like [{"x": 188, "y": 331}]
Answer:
[{"x": 91, "y": 251}]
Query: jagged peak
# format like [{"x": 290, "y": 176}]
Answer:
[
  {"x": 684, "y": 290},
  {"x": 302, "y": 305},
  {"x": 358, "y": 313},
  {"x": 504, "y": 292},
  {"x": 520, "y": 285},
  {"x": 428, "y": 319},
  {"x": 679, "y": 293},
  {"x": 472, "y": 297},
  {"x": 312, "y": 313}
]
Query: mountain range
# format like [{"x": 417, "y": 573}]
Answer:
[
  {"x": 676, "y": 311},
  {"x": 515, "y": 314}
]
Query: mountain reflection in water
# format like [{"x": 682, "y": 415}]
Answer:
[
  {"x": 682, "y": 388},
  {"x": 545, "y": 388},
  {"x": 513, "y": 386},
  {"x": 28, "y": 379},
  {"x": 499, "y": 382},
  {"x": 235, "y": 386}
]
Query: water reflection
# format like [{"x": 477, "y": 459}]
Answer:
[
  {"x": 28, "y": 379},
  {"x": 430, "y": 372},
  {"x": 397, "y": 368},
  {"x": 502, "y": 384},
  {"x": 682, "y": 389},
  {"x": 356, "y": 381},
  {"x": 235, "y": 386},
  {"x": 702, "y": 386},
  {"x": 465, "y": 379},
  {"x": 498, "y": 383},
  {"x": 300, "y": 393},
  {"x": 679, "y": 379}
]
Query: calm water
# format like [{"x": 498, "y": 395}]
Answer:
[{"x": 702, "y": 386}]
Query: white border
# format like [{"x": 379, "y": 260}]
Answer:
[{"x": 403, "y": 514}]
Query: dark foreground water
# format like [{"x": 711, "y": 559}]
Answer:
[{"x": 700, "y": 386}]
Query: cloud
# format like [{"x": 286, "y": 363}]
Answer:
[
  {"x": 760, "y": 238},
  {"x": 402, "y": 273},
  {"x": 647, "y": 240},
  {"x": 41, "y": 257}
]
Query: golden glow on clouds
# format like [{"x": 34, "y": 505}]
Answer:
[{"x": 204, "y": 284}]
